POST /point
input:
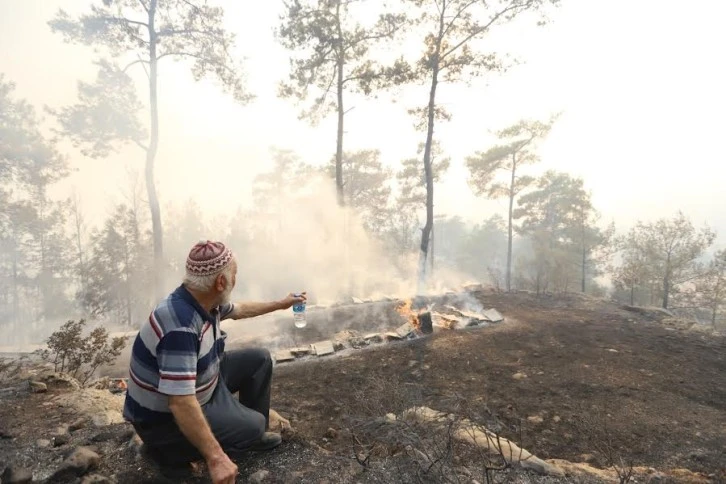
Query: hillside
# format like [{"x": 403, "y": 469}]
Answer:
[{"x": 567, "y": 378}]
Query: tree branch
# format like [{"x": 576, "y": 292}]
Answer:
[
  {"x": 134, "y": 62},
  {"x": 168, "y": 32},
  {"x": 485, "y": 27},
  {"x": 140, "y": 145},
  {"x": 458, "y": 14},
  {"x": 119, "y": 20},
  {"x": 144, "y": 5}
]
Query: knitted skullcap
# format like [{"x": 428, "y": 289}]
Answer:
[{"x": 207, "y": 258}]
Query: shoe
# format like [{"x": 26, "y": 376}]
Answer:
[{"x": 269, "y": 440}]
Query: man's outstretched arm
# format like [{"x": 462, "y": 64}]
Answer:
[{"x": 243, "y": 310}]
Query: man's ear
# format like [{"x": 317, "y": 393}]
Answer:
[{"x": 220, "y": 283}]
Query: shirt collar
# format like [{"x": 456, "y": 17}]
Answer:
[{"x": 184, "y": 293}]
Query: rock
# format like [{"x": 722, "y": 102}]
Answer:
[
  {"x": 259, "y": 476},
  {"x": 42, "y": 443},
  {"x": 390, "y": 336},
  {"x": 338, "y": 345},
  {"x": 96, "y": 479},
  {"x": 493, "y": 315},
  {"x": 611, "y": 350},
  {"x": 60, "y": 380},
  {"x": 404, "y": 330},
  {"x": 78, "y": 463},
  {"x": 331, "y": 433},
  {"x": 136, "y": 444},
  {"x": 279, "y": 424},
  {"x": 77, "y": 424},
  {"x": 38, "y": 387},
  {"x": 556, "y": 419},
  {"x": 323, "y": 348},
  {"x": 519, "y": 376},
  {"x": 535, "y": 419},
  {"x": 100, "y": 383},
  {"x": 301, "y": 350},
  {"x": 284, "y": 355},
  {"x": 61, "y": 439},
  {"x": 373, "y": 338},
  {"x": 16, "y": 475},
  {"x": 391, "y": 417},
  {"x": 103, "y": 437}
]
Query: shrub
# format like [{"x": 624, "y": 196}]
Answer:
[{"x": 79, "y": 356}]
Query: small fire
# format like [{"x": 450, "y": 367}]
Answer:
[{"x": 405, "y": 310}]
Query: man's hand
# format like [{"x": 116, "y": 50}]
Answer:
[
  {"x": 293, "y": 299},
  {"x": 221, "y": 469}
]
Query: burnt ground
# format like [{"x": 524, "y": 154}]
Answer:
[{"x": 593, "y": 383}]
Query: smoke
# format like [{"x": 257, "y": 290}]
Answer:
[{"x": 302, "y": 240}]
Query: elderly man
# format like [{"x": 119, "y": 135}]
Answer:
[{"x": 179, "y": 396}]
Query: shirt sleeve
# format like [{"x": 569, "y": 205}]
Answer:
[
  {"x": 177, "y": 357},
  {"x": 225, "y": 310}
]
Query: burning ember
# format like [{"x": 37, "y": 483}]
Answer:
[
  {"x": 408, "y": 314},
  {"x": 421, "y": 322}
]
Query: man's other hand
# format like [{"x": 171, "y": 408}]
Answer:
[
  {"x": 221, "y": 469},
  {"x": 293, "y": 299}
]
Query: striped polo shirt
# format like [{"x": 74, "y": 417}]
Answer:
[{"x": 176, "y": 352}]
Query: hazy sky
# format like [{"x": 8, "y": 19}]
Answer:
[{"x": 640, "y": 84}]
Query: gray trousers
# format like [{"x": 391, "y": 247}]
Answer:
[{"x": 236, "y": 424}]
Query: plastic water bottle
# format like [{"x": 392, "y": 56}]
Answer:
[{"x": 298, "y": 314}]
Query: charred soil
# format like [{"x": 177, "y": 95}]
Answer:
[{"x": 565, "y": 377}]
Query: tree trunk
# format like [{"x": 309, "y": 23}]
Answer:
[
  {"x": 584, "y": 257},
  {"x": 341, "y": 112},
  {"x": 159, "y": 285},
  {"x": 510, "y": 231},
  {"x": 632, "y": 295},
  {"x": 426, "y": 231},
  {"x": 667, "y": 283}
]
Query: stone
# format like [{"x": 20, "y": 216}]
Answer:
[
  {"x": 96, "y": 479},
  {"x": 103, "y": 437},
  {"x": 77, "y": 464},
  {"x": 100, "y": 383},
  {"x": 42, "y": 443},
  {"x": 391, "y": 336},
  {"x": 331, "y": 433},
  {"x": 373, "y": 338},
  {"x": 611, "y": 350},
  {"x": 77, "y": 424},
  {"x": 323, "y": 348},
  {"x": 259, "y": 476},
  {"x": 301, "y": 350},
  {"x": 284, "y": 355},
  {"x": 493, "y": 315},
  {"x": 61, "y": 439},
  {"x": 535, "y": 419},
  {"x": 38, "y": 387},
  {"x": 338, "y": 345},
  {"x": 279, "y": 424},
  {"x": 357, "y": 300},
  {"x": 16, "y": 475},
  {"x": 404, "y": 330},
  {"x": 519, "y": 376},
  {"x": 60, "y": 380},
  {"x": 556, "y": 419}
]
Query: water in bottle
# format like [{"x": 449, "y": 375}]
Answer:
[{"x": 298, "y": 314}]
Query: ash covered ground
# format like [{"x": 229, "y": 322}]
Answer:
[{"x": 568, "y": 378}]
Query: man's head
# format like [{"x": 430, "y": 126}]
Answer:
[{"x": 211, "y": 270}]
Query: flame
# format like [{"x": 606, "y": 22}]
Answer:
[{"x": 404, "y": 309}]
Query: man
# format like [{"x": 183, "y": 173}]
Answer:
[{"x": 179, "y": 396}]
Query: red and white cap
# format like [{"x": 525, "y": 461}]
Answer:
[{"x": 207, "y": 258}]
